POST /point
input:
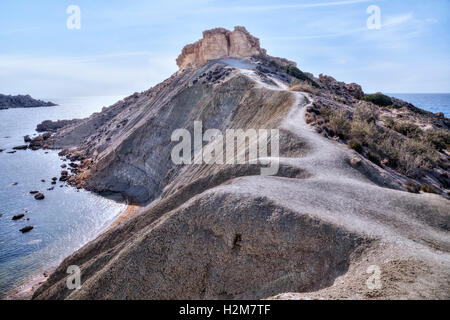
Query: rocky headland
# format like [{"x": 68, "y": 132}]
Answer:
[
  {"x": 22, "y": 101},
  {"x": 340, "y": 204}
]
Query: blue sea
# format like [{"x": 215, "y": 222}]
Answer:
[
  {"x": 434, "y": 102},
  {"x": 66, "y": 219}
]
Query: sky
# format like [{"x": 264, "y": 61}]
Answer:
[{"x": 126, "y": 46}]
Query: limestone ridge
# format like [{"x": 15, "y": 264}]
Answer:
[
  {"x": 224, "y": 231},
  {"x": 221, "y": 43}
]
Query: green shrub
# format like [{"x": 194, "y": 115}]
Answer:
[
  {"x": 300, "y": 75},
  {"x": 355, "y": 145},
  {"x": 305, "y": 86},
  {"x": 326, "y": 112},
  {"x": 379, "y": 99},
  {"x": 340, "y": 123},
  {"x": 427, "y": 188},
  {"x": 373, "y": 157},
  {"x": 389, "y": 122},
  {"x": 366, "y": 113},
  {"x": 365, "y": 133},
  {"x": 411, "y": 187},
  {"x": 408, "y": 129},
  {"x": 415, "y": 156},
  {"x": 394, "y": 106},
  {"x": 439, "y": 139}
]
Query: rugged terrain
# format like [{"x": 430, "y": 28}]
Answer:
[
  {"x": 225, "y": 231},
  {"x": 22, "y": 101}
]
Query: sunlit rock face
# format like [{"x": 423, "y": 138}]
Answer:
[{"x": 221, "y": 43}]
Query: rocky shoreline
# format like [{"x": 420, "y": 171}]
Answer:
[{"x": 22, "y": 101}]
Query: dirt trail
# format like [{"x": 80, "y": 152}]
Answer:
[{"x": 227, "y": 232}]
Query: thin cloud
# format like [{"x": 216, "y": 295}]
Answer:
[
  {"x": 280, "y": 6},
  {"x": 392, "y": 21}
]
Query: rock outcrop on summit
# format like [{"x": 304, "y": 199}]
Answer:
[
  {"x": 221, "y": 43},
  {"x": 330, "y": 215}
]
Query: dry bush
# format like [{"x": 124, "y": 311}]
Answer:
[
  {"x": 408, "y": 129},
  {"x": 366, "y": 113},
  {"x": 340, "y": 123},
  {"x": 364, "y": 132},
  {"x": 414, "y": 156},
  {"x": 355, "y": 145},
  {"x": 439, "y": 139},
  {"x": 427, "y": 188},
  {"x": 412, "y": 187},
  {"x": 305, "y": 87}
]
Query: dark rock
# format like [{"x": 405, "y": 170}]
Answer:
[
  {"x": 26, "y": 229},
  {"x": 18, "y": 216},
  {"x": 1, "y": 150},
  {"x": 27, "y": 139},
  {"x": 22, "y": 101},
  {"x": 39, "y": 196},
  {"x": 14, "y": 183},
  {"x": 64, "y": 165},
  {"x": 52, "y": 126},
  {"x": 36, "y": 143},
  {"x": 46, "y": 135},
  {"x": 73, "y": 165},
  {"x": 34, "y": 192},
  {"x": 11, "y": 151},
  {"x": 51, "y": 188},
  {"x": 353, "y": 90},
  {"x": 64, "y": 173},
  {"x": 54, "y": 178},
  {"x": 42, "y": 180}
]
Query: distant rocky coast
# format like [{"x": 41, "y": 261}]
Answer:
[{"x": 22, "y": 101}]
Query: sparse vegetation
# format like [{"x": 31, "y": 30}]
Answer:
[
  {"x": 412, "y": 187},
  {"x": 439, "y": 139},
  {"x": 408, "y": 129},
  {"x": 394, "y": 106},
  {"x": 355, "y": 145},
  {"x": 340, "y": 123},
  {"x": 373, "y": 157},
  {"x": 379, "y": 99},
  {"x": 414, "y": 156},
  {"x": 389, "y": 122},
  {"x": 300, "y": 75},
  {"x": 366, "y": 113},
  {"x": 409, "y": 152},
  {"x": 305, "y": 86},
  {"x": 427, "y": 188}
]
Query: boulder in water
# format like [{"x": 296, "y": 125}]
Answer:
[{"x": 39, "y": 196}]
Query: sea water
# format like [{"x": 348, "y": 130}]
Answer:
[{"x": 66, "y": 219}]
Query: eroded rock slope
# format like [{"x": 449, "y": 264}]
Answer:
[{"x": 224, "y": 231}]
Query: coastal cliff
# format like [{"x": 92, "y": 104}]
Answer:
[
  {"x": 221, "y": 43},
  {"x": 22, "y": 101},
  {"x": 223, "y": 231}
]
